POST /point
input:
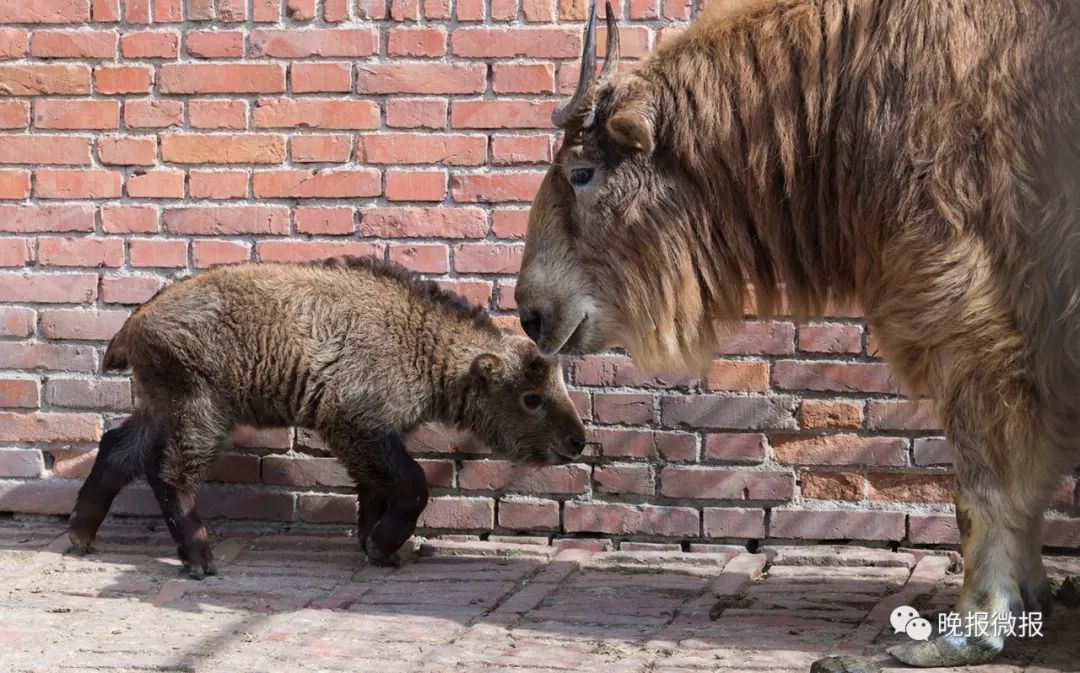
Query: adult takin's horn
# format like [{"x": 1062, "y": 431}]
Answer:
[{"x": 578, "y": 110}]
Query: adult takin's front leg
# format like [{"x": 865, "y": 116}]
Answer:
[
  {"x": 391, "y": 489},
  {"x": 1005, "y": 472}
]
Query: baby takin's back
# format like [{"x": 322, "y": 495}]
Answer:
[{"x": 357, "y": 349}]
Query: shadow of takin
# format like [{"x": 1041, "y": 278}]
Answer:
[{"x": 359, "y": 350}]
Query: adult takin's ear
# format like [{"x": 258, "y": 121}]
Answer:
[
  {"x": 487, "y": 366},
  {"x": 632, "y": 127}
]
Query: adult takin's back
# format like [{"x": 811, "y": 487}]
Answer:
[{"x": 355, "y": 348}]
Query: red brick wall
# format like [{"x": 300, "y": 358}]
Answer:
[{"x": 148, "y": 139}]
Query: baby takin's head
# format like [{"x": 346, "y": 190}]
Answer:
[{"x": 520, "y": 407}]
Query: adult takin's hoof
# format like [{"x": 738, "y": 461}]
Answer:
[
  {"x": 844, "y": 664},
  {"x": 378, "y": 557},
  {"x": 946, "y": 651},
  {"x": 198, "y": 563},
  {"x": 80, "y": 544}
]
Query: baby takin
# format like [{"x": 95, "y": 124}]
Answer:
[{"x": 359, "y": 350}]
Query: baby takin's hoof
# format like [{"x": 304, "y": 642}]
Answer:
[
  {"x": 80, "y": 544},
  {"x": 377, "y": 557},
  {"x": 947, "y": 651},
  {"x": 198, "y": 562}
]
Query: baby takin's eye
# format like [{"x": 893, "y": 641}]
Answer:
[{"x": 532, "y": 402}]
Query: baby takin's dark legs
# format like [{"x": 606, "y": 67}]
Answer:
[{"x": 392, "y": 492}]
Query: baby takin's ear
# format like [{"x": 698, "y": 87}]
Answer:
[{"x": 487, "y": 366}]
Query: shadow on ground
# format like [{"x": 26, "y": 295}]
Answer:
[{"x": 304, "y": 601}]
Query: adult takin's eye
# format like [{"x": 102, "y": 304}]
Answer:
[
  {"x": 581, "y": 176},
  {"x": 532, "y": 401}
]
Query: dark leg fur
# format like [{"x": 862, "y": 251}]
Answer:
[
  {"x": 121, "y": 455},
  {"x": 193, "y": 544}
]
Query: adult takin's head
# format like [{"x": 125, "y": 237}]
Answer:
[
  {"x": 520, "y": 408},
  {"x": 616, "y": 253}
]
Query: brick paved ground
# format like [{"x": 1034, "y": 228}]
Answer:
[{"x": 300, "y": 601}]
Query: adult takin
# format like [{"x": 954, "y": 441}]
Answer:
[
  {"x": 355, "y": 348},
  {"x": 921, "y": 158}
]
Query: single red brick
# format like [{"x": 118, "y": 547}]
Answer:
[
  {"x": 459, "y": 513},
  {"x": 439, "y": 473},
  {"x": 503, "y": 10},
  {"x": 235, "y": 468},
  {"x": 624, "y": 519},
  {"x": 73, "y": 114},
  {"x": 63, "y": 183},
  {"x": 37, "y": 219},
  {"x": 933, "y": 529},
  {"x": 150, "y": 44},
  {"x": 624, "y": 408},
  {"x": 17, "y": 321},
  {"x": 233, "y": 11},
  {"x": 416, "y": 41},
  {"x": 487, "y": 258},
  {"x": 328, "y": 508},
  {"x": 210, "y": 78},
  {"x": 223, "y": 149},
  {"x": 932, "y": 451},
  {"x": 159, "y": 184},
  {"x": 81, "y": 251},
  {"x": 371, "y": 9},
  {"x": 44, "y": 150},
  {"x": 321, "y": 149},
  {"x": 501, "y": 114},
  {"x": 733, "y": 522},
  {"x": 510, "y": 150},
  {"x": 14, "y": 43},
  {"x": 335, "y": 43},
  {"x": 833, "y": 486},
  {"x": 839, "y": 450},
  {"x": 415, "y": 185},
  {"x": 14, "y": 185},
  {"x": 233, "y": 504},
  {"x": 14, "y": 114},
  {"x": 123, "y": 79},
  {"x": 422, "y": 258},
  {"x": 205, "y": 254},
  {"x": 738, "y": 375},
  {"x": 903, "y": 415},
  {"x": 421, "y": 222},
  {"x": 844, "y": 377},
  {"x": 49, "y": 427},
  {"x": 504, "y": 300},
  {"x": 509, "y": 223},
  {"x": 324, "y": 220},
  {"x": 417, "y": 148},
  {"x": 748, "y": 448},
  {"x": 127, "y": 151},
  {"x": 726, "y": 412},
  {"x": 148, "y": 252},
  {"x": 726, "y": 484},
  {"x": 421, "y": 77},
  {"x": 168, "y": 11},
  {"x": 538, "y": 11},
  {"x": 214, "y": 43},
  {"x": 413, "y": 113},
  {"x": 474, "y": 291},
  {"x": 529, "y": 514},
  {"x": 405, "y": 10},
  {"x": 266, "y": 11},
  {"x": 71, "y": 463},
  {"x": 16, "y": 252},
  {"x": 21, "y": 462},
  {"x": 542, "y": 42},
  {"x": 300, "y": 10},
  {"x": 218, "y": 184},
  {"x": 56, "y": 357},
  {"x": 307, "y": 251},
  {"x": 105, "y": 11},
  {"x": 501, "y": 475},
  {"x": 23, "y": 393},
  {"x": 130, "y": 289},
  {"x": 340, "y": 184},
  {"x": 81, "y": 44},
  {"x": 830, "y": 338},
  {"x": 44, "y": 80},
  {"x": 96, "y": 394},
  {"x": 97, "y": 325},
  {"x": 836, "y": 525},
  {"x": 495, "y": 187},
  {"x": 336, "y": 11},
  {"x": 305, "y": 472},
  {"x": 321, "y": 77},
  {"x": 469, "y": 10},
  {"x": 915, "y": 488},
  {"x": 644, "y": 9},
  {"x": 129, "y": 219},
  {"x": 625, "y": 479},
  {"x": 826, "y": 414},
  {"x": 316, "y": 113},
  {"x": 153, "y": 114},
  {"x": 620, "y": 443},
  {"x": 224, "y": 221},
  {"x": 218, "y": 114}
]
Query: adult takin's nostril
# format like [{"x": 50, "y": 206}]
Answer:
[
  {"x": 577, "y": 445},
  {"x": 532, "y": 322}
]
